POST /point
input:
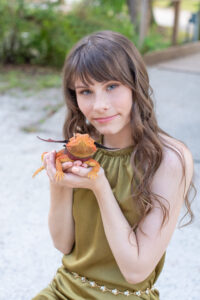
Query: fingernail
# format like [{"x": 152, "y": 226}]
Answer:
[{"x": 75, "y": 169}]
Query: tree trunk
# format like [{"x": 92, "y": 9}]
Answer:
[
  {"x": 177, "y": 4},
  {"x": 152, "y": 20},
  {"x": 135, "y": 7},
  {"x": 135, "y": 11},
  {"x": 144, "y": 21}
]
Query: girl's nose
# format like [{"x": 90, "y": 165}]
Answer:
[{"x": 101, "y": 103}]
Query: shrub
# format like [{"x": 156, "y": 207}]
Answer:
[{"x": 42, "y": 34}]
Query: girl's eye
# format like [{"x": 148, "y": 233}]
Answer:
[
  {"x": 112, "y": 86},
  {"x": 85, "y": 92}
]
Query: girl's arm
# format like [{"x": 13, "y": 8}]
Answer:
[
  {"x": 61, "y": 222},
  {"x": 60, "y": 219},
  {"x": 138, "y": 256}
]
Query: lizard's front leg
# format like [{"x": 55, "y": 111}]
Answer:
[
  {"x": 96, "y": 166},
  {"x": 59, "y": 160}
]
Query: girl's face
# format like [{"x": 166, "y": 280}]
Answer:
[{"x": 106, "y": 105}]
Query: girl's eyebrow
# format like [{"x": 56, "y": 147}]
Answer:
[
  {"x": 80, "y": 87},
  {"x": 86, "y": 86}
]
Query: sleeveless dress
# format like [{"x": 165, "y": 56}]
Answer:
[{"x": 90, "y": 270}]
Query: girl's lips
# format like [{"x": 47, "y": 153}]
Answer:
[{"x": 102, "y": 120}]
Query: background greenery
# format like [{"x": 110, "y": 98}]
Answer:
[{"x": 42, "y": 34}]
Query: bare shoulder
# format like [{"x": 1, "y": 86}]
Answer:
[
  {"x": 171, "y": 157},
  {"x": 173, "y": 162}
]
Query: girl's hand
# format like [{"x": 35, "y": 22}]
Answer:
[
  {"x": 77, "y": 177},
  {"x": 75, "y": 174}
]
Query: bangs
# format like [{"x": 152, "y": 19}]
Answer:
[{"x": 99, "y": 64}]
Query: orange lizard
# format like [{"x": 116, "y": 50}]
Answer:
[{"x": 79, "y": 147}]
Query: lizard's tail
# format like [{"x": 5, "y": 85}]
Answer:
[{"x": 38, "y": 170}]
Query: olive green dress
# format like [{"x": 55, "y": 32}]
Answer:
[{"x": 90, "y": 270}]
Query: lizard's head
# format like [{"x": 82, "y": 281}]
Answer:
[{"x": 81, "y": 145}]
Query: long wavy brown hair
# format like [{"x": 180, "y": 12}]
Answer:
[{"x": 106, "y": 56}]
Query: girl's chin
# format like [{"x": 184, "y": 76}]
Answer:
[{"x": 107, "y": 131}]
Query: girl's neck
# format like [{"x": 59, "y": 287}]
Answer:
[{"x": 116, "y": 142}]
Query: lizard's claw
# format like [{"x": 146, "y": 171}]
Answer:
[
  {"x": 92, "y": 175},
  {"x": 59, "y": 176}
]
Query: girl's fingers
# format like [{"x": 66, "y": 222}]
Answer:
[
  {"x": 50, "y": 165},
  {"x": 50, "y": 156},
  {"x": 45, "y": 159},
  {"x": 49, "y": 169},
  {"x": 67, "y": 165},
  {"x": 81, "y": 171},
  {"x": 77, "y": 163}
]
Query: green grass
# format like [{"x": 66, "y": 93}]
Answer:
[
  {"x": 28, "y": 78},
  {"x": 190, "y": 5}
]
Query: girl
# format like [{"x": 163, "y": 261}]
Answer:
[{"x": 114, "y": 230}]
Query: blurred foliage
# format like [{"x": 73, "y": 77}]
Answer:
[
  {"x": 157, "y": 39},
  {"x": 42, "y": 34},
  {"x": 34, "y": 34},
  {"x": 94, "y": 15}
]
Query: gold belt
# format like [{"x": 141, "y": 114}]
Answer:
[{"x": 115, "y": 291}]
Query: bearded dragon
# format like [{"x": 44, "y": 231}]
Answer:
[{"x": 79, "y": 147}]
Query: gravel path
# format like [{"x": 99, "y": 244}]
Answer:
[{"x": 28, "y": 260}]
